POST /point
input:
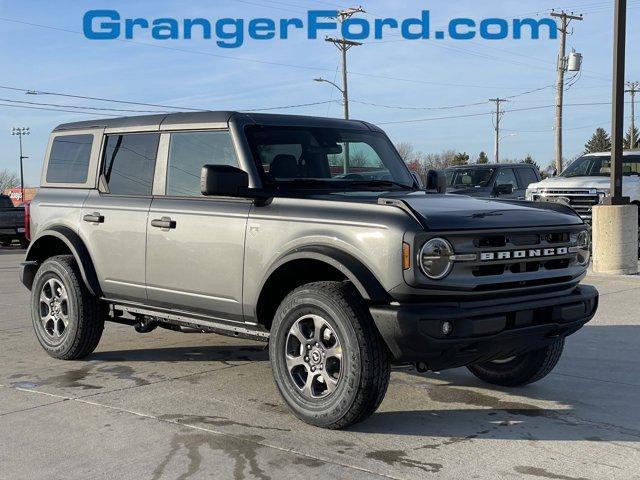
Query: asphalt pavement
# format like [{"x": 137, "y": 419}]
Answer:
[{"x": 167, "y": 405}]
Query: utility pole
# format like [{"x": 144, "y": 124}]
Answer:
[
  {"x": 20, "y": 131},
  {"x": 633, "y": 88},
  {"x": 344, "y": 46},
  {"x": 565, "y": 20},
  {"x": 496, "y": 125}
]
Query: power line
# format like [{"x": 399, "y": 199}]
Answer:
[
  {"x": 84, "y": 97},
  {"x": 80, "y": 107}
]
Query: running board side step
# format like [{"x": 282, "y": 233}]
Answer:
[{"x": 192, "y": 321}]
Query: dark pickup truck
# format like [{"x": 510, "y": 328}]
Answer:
[
  {"x": 11, "y": 223},
  {"x": 504, "y": 180}
]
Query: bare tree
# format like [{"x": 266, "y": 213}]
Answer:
[
  {"x": 407, "y": 151},
  {"x": 8, "y": 180}
]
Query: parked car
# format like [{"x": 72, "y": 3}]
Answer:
[
  {"x": 586, "y": 182},
  {"x": 11, "y": 223},
  {"x": 492, "y": 180},
  {"x": 242, "y": 225}
]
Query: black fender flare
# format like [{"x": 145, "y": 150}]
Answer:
[
  {"x": 75, "y": 245},
  {"x": 356, "y": 272}
]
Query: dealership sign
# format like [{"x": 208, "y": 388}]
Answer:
[{"x": 232, "y": 32}]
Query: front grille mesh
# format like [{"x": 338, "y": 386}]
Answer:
[
  {"x": 582, "y": 201},
  {"x": 500, "y": 273}
]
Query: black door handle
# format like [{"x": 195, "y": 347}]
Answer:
[
  {"x": 165, "y": 223},
  {"x": 94, "y": 217}
]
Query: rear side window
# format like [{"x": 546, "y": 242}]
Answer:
[
  {"x": 527, "y": 177},
  {"x": 189, "y": 152},
  {"x": 129, "y": 163},
  {"x": 69, "y": 159}
]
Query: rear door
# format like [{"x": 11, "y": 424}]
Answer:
[
  {"x": 195, "y": 244},
  {"x": 114, "y": 222}
]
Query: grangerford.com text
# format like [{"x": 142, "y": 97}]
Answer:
[{"x": 232, "y": 32}]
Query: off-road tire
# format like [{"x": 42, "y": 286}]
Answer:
[
  {"x": 523, "y": 369},
  {"x": 365, "y": 359},
  {"x": 85, "y": 317}
]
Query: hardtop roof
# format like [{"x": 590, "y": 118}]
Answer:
[{"x": 211, "y": 117}]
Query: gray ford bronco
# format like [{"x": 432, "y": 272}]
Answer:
[{"x": 307, "y": 233}]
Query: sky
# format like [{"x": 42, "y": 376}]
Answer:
[{"x": 42, "y": 48}]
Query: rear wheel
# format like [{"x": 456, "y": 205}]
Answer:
[
  {"x": 329, "y": 362},
  {"x": 521, "y": 369},
  {"x": 66, "y": 318}
]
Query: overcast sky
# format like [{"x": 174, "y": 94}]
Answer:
[{"x": 42, "y": 48}]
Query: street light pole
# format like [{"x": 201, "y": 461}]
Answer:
[{"x": 20, "y": 131}]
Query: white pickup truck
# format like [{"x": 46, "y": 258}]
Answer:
[{"x": 586, "y": 181}]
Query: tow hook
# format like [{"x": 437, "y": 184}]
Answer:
[
  {"x": 145, "y": 325},
  {"x": 422, "y": 367}
]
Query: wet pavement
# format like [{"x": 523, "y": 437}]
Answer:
[{"x": 170, "y": 405}]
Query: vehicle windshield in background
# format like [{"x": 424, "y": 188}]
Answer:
[
  {"x": 601, "y": 166},
  {"x": 327, "y": 157},
  {"x": 468, "y": 178}
]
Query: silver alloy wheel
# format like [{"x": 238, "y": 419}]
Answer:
[
  {"x": 54, "y": 309},
  {"x": 313, "y": 355}
]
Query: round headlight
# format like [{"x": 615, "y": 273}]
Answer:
[
  {"x": 583, "y": 247},
  {"x": 435, "y": 258}
]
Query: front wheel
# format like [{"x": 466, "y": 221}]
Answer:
[
  {"x": 521, "y": 369},
  {"x": 66, "y": 318},
  {"x": 329, "y": 362}
]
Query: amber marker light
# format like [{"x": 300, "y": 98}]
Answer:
[{"x": 406, "y": 256}]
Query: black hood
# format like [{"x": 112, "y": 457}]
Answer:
[{"x": 456, "y": 212}]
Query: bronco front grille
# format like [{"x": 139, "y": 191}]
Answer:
[
  {"x": 582, "y": 201},
  {"x": 517, "y": 259}
]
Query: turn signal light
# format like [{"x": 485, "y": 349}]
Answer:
[{"x": 406, "y": 256}]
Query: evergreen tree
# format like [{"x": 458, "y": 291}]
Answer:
[
  {"x": 482, "y": 159},
  {"x": 461, "y": 159},
  {"x": 529, "y": 159},
  {"x": 600, "y": 142},
  {"x": 627, "y": 138}
]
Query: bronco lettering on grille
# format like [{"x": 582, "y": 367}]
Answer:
[{"x": 515, "y": 254}]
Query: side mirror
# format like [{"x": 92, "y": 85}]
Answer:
[
  {"x": 504, "y": 189},
  {"x": 551, "y": 171},
  {"x": 436, "y": 181},
  {"x": 223, "y": 181}
]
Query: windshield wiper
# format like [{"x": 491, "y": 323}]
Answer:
[{"x": 380, "y": 183}]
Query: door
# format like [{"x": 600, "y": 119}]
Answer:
[
  {"x": 114, "y": 221},
  {"x": 195, "y": 244},
  {"x": 506, "y": 176},
  {"x": 526, "y": 176}
]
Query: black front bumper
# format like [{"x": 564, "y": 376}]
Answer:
[{"x": 481, "y": 331}]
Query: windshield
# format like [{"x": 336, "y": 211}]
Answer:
[
  {"x": 601, "y": 166},
  {"x": 327, "y": 158},
  {"x": 468, "y": 177}
]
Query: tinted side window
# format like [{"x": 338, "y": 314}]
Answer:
[
  {"x": 505, "y": 177},
  {"x": 129, "y": 163},
  {"x": 189, "y": 152},
  {"x": 69, "y": 159},
  {"x": 527, "y": 177}
]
